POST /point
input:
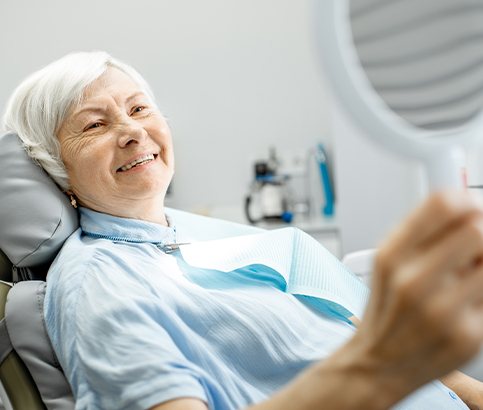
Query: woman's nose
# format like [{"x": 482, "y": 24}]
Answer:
[{"x": 130, "y": 132}]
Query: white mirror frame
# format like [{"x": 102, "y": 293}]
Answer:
[{"x": 441, "y": 151}]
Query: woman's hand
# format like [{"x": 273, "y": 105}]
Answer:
[
  {"x": 425, "y": 315},
  {"x": 424, "y": 318}
]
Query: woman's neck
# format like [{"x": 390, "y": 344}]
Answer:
[{"x": 150, "y": 211}]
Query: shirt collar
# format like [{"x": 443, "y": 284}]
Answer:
[{"x": 115, "y": 228}]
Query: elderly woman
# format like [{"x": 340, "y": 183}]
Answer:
[{"x": 133, "y": 331}]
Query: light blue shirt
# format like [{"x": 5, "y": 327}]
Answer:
[{"x": 132, "y": 328}]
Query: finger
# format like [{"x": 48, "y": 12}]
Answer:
[
  {"x": 439, "y": 213},
  {"x": 457, "y": 312},
  {"x": 469, "y": 289},
  {"x": 466, "y": 301},
  {"x": 449, "y": 258},
  {"x": 459, "y": 248}
]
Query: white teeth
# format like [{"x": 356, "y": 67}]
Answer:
[{"x": 138, "y": 161}]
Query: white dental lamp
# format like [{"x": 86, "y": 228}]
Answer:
[{"x": 410, "y": 72}]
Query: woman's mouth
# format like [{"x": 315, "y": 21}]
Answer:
[{"x": 137, "y": 162}]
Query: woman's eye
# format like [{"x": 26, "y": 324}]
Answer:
[
  {"x": 139, "y": 108},
  {"x": 92, "y": 126}
]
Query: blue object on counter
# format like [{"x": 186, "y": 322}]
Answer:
[
  {"x": 321, "y": 157},
  {"x": 287, "y": 217}
]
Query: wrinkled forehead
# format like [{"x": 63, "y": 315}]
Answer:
[{"x": 112, "y": 83}]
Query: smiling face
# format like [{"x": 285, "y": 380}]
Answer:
[{"x": 117, "y": 149}]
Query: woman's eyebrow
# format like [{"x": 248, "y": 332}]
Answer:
[
  {"x": 101, "y": 110},
  {"x": 135, "y": 95},
  {"x": 89, "y": 109}
]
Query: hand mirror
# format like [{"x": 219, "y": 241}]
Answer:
[{"x": 410, "y": 72}]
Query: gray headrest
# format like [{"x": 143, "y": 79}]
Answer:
[
  {"x": 35, "y": 216},
  {"x": 30, "y": 340}
]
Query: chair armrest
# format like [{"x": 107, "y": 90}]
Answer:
[{"x": 361, "y": 263}]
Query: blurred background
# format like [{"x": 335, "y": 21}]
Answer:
[{"x": 254, "y": 120}]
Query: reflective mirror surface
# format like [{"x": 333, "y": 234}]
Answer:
[{"x": 424, "y": 58}]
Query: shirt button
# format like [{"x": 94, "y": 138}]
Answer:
[{"x": 453, "y": 395}]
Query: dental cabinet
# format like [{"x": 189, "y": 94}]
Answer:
[{"x": 324, "y": 230}]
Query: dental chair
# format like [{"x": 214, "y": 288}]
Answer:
[{"x": 35, "y": 220}]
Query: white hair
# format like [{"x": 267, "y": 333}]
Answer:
[{"x": 38, "y": 106}]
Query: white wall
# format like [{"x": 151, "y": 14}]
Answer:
[
  {"x": 376, "y": 188},
  {"x": 233, "y": 76}
]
